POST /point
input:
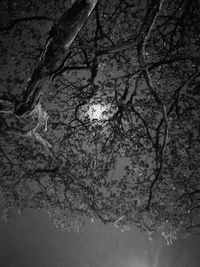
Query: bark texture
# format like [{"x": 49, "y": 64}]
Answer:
[{"x": 60, "y": 38}]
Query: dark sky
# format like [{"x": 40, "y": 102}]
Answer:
[{"x": 31, "y": 240}]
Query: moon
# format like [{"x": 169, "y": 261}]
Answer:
[{"x": 96, "y": 111}]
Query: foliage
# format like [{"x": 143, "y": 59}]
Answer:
[{"x": 138, "y": 163}]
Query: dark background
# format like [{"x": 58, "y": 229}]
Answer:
[{"x": 31, "y": 239}]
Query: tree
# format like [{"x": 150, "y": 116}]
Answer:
[{"x": 107, "y": 126}]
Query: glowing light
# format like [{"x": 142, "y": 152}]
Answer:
[{"x": 96, "y": 111}]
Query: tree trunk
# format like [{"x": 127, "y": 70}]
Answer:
[{"x": 60, "y": 38}]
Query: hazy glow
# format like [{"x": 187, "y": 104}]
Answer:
[{"x": 96, "y": 111}]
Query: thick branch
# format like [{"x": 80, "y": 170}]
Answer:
[{"x": 60, "y": 38}]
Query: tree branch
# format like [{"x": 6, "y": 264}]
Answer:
[
  {"x": 12, "y": 23},
  {"x": 147, "y": 27},
  {"x": 60, "y": 39}
]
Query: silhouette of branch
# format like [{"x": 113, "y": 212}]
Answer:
[
  {"x": 145, "y": 32},
  {"x": 14, "y": 22}
]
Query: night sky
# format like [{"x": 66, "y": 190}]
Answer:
[{"x": 32, "y": 240}]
